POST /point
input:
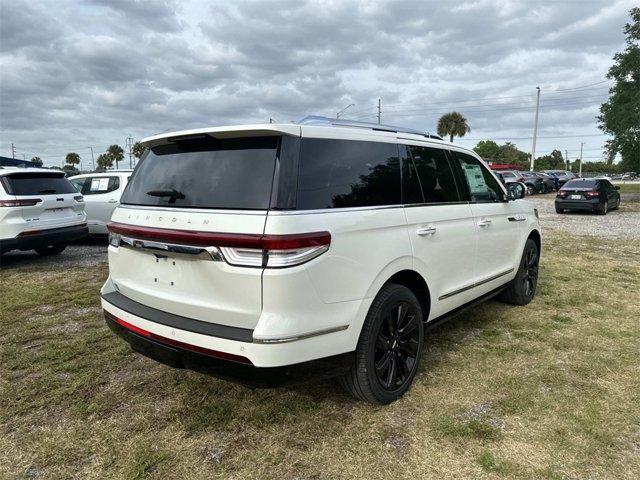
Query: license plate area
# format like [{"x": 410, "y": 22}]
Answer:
[
  {"x": 164, "y": 271},
  {"x": 576, "y": 197}
]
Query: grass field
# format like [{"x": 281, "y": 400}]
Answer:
[
  {"x": 551, "y": 390},
  {"x": 628, "y": 187}
]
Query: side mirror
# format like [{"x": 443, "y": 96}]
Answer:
[
  {"x": 515, "y": 191},
  {"x": 617, "y": 187}
]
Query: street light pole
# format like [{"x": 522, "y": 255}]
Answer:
[
  {"x": 535, "y": 130},
  {"x": 580, "y": 171},
  {"x": 345, "y": 109}
]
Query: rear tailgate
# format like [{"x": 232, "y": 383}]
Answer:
[
  {"x": 190, "y": 285},
  {"x": 180, "y": 193},
  {"x": 48, "y": 201}
]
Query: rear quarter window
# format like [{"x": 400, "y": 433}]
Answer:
[{"x": 347, "y": 173}]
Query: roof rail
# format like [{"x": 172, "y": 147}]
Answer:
[{"x": 338, "y": 122}]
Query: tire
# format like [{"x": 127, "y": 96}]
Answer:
[
  {"x": 617, "y": 205},
  {"x": 603, "y": 208},
  {"x": 522, "y": 288},
  {"x": 51, "y": 249},
  {"x": 531, "y": 190},
  {"x": 387, "y": 357},
  {"x": 545, "y": 188},
  {"x": 559, "y": 210}
]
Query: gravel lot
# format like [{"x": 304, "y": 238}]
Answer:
[
  {"x": 87, "y": 252},
  {"x": 624, "y": 223},
  {"x": 621, "y": 223}
]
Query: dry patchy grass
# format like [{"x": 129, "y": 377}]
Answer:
[{"x": 551, "y": 390}]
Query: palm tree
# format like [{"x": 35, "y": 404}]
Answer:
[{"x": 453, "y": 124}]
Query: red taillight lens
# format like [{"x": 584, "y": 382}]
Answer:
[
  {"x": 25, "y": 202},
  {"x": 175, "y": 343},
  {"x": 592, "y": 194},
  {"x": 247, "y": 250},
  {"x": 562, "y": 194}
]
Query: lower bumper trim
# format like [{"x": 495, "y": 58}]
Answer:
[{"x": 247, "y": 374}]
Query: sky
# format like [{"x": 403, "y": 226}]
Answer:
[{"x": 81, "y": 74}]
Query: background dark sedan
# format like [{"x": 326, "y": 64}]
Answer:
[{"x": 595, "y": 195}]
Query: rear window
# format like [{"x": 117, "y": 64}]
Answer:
[
  {"x": 579, "y": 184},
  {"x": 348, "y": 173},
  {"x": 206, "y": 173},
  {"x": 36, "y": 183}
]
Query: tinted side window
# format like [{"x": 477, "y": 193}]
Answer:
[
  {"x": 347, "y": 173},
  {"x": 483, "y": 187},
  {"x": 98, "y": 185},
  {"x": 435, "y": 174},
  {"x": 411, "y": 189}
]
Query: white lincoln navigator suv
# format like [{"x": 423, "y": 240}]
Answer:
[{"x": 270, "y": 253}]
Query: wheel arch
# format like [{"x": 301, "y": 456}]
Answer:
[
  {"x": 535, "y": 236},
  {"x": 417, "y": 284}
]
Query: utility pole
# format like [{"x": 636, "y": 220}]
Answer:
[
  {"x": 13, "y": 151},
  {"x": 378, "y": 111},
  {"x": 535, "y": 130},
  {"x": 130, "y": 145},
  {"x": 93, "y": 162},
  {"x": 580, "y": 171},
  {"x": 566, "y": 159}
]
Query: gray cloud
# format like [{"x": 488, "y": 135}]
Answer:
[{"x": 80, "y": 73}]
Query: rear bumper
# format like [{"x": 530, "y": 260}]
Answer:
[
  {"x": 588, "y": 205},
  {"x": 43, "y": 238},
  {"x": 239, "y": 370}
]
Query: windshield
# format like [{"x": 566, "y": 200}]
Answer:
[
  {"x": 37, "y": 183},
  {"x": 206, "y": 173}
]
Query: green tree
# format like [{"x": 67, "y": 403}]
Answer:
[
  {"x": 551, "y": 161},
  {"x": 72, "y": 159},
  {"x": 509, "y": 153},
  {"x": 138, "y": 150},
  {"x": 70, "y": 170},
  {"x": 454, "y": 125},
  {"x": 116, "y": 153},
  {"x": 488, "y": 150},
  {"x": 620, "y": 115},
  {"x": 37, "y": 161},
  {"x": 104, "y": 161}
]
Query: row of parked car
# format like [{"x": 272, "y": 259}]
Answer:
[{"x": 537, "y": 182}]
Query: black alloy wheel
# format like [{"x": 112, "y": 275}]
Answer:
[
  {"x": 530, "y": 277},
  {"x": 397, "y": 346},
  {"x": 522, "y": 288},
  {"x": 389, "y": 348}
]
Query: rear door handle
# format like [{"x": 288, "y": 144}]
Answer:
[
  {"x": 426, "y": 231},
  {"x": 113, "y": 200},
  {"x": 484, "y": 222},
  {"x": 517, "y": 218}
]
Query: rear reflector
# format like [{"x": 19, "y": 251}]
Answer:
[
  {"x": 25, "y": 202},
  {"x": 247, "y": 250},
  {"x": 175, "y": 343}
]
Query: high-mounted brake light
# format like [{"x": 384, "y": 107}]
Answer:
[
  {"x": 246, "y": 250},
  {"x": 25, "y": 202}
]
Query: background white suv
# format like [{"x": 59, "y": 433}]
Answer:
[
  {"x": 39, "y": 210},
  {"x": 101, "y": 192},
  {"x": 266, "y": 253}
]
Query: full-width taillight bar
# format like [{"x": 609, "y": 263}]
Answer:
[
  {"x": 249, "y": 250},
  {"x": 25, "y": 202}
]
